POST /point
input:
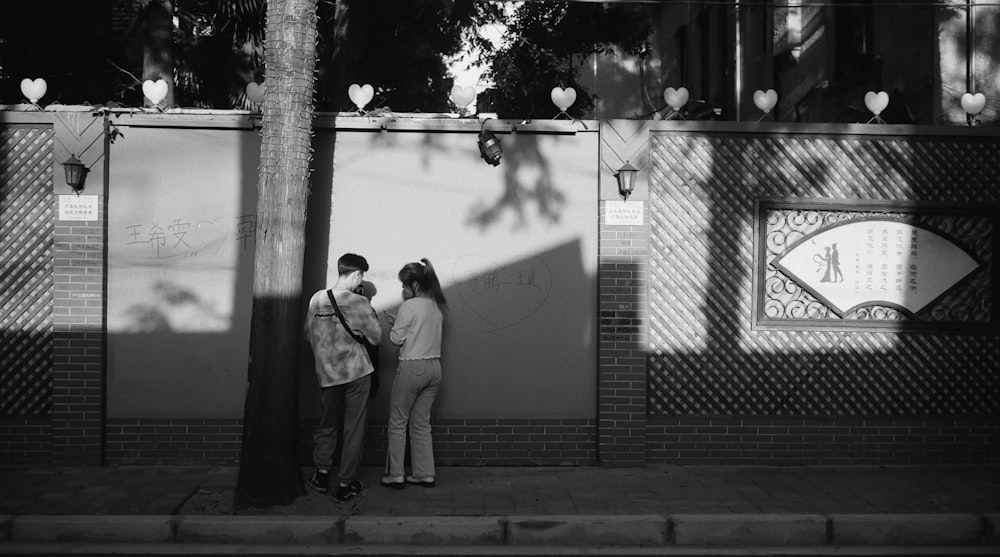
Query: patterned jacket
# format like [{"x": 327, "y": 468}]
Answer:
[{"x": 339, "y": 358}]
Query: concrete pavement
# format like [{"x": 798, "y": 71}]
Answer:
[{"x": 676, "y": 510}]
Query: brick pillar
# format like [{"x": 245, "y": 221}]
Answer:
[
  {"x": 623, "y": 300},
  {"x": 79, "y": 253}
]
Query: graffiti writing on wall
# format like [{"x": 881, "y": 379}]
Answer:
[
  {"x": 505, "y": 295},
  {"x": 180, "y": 236}
]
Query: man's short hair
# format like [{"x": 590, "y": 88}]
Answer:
[{"x": 350, "y": 262}]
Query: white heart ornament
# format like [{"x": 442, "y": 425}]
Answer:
[
  {"x": 255, "y": 92},
  {"x": 765, "y": 100},
  {"x": 155, "y": 91},
  {"x": 973, "y": 104},
  {"x": 563, "y": 98},
  {"x": 360, "y": 95},
  {"x": 33, "y": 89},
  {"x": 462, "y": 96},
  {"x": 676, "y": 98},
  {"x": 876, "y": 102}
]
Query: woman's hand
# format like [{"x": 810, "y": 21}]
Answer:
[{"x": 389, "y": 318}]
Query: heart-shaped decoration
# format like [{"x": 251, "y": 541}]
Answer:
[
  {"x": 155, "y": 91},
  {"x": 360, "y": 95},
  {"x": 876, "y": 102},
  {"x": 973, "y": 104},
  {"x": 33, "y": 89},
  {"x": 462, "y": 96},
  {"x": 563, "y": 98},
  {"x": 255, "y": 92},
  {"x": 765, "y": 100},
  {"x": 676, "y": 98}
]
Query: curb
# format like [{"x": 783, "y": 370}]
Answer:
[{"x": 604, "y": 531}]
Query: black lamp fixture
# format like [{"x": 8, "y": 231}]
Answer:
[
  {"x": 489, "y": 146},
  {"x": 76, "y": 173},
  {"x": 626, "y": 179}
]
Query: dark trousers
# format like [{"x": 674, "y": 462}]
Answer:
[{"x": 345, "y": 405}]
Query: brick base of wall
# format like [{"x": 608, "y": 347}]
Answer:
[
  {"x": 25, "y": 440},
  {"x": 462, "y": 442},
  {"x": 719, "y": 440},
  {"x": 733, "y": 440}
]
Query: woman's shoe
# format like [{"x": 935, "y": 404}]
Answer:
[
  {"x": 424, "y": 481},
  {"x": 395, "y": 482}
]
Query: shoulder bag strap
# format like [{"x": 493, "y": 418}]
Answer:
[{"x": 343, "y": 321}]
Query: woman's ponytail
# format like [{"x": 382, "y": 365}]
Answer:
[
  {"x": 423, "y": 274},
  {"x": 433, "y": 285}
]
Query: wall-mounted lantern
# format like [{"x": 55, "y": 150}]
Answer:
[
  {"x": 489, "y": 146},
  {"x": 76, "y": 173},
  {"x": 626, "y": 179}
]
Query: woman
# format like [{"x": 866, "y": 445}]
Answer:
[{"x": 417, "y": 331}]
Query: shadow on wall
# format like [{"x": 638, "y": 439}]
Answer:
[
  {"x": 520, "y": 333},
  {"x": 712, "y": 361}
]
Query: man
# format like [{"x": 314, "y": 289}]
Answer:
[{"x": 343, "y": 370}]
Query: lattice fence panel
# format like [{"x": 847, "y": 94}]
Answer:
[
  {"x": 706, "y": 357},
  {"x": 25, "y": 271}
]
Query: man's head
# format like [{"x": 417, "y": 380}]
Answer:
[{"x": 351, "y": 267}]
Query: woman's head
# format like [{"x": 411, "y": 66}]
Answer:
[{"x": 419, "y": 279}]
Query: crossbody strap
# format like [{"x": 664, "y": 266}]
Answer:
[{"x": 343, "y": 321}]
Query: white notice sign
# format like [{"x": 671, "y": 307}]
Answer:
[
  {"x": 78, "y": 207},
  {"x": 624, "y": 213}
]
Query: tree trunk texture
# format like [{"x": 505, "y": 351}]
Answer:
[
  {"x": 269, "y": 471},
  {"x": 158, "y": 46}
]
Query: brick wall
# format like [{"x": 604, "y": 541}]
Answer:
[
  {"x": 25, "y": 440},
  {"x": 822, "y": 440},
  {"x": 78, "y": 342},
  {"x": 494, "y": 442},
  {"x": 622, "y": 293}
]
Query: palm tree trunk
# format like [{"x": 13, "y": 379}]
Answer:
[{"x": 269, "y": 472}]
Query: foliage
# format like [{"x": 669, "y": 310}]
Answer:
[
  {"x": 219, "y": 48},
  {"x": 548, "y": 43},
  {"x": 398, "y": 46}
]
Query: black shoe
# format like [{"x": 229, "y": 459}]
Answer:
[
  {"x": 348, "y": 490},
  {"x": 319, "y": 481}
]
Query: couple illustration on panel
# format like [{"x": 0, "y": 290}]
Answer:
[{"x": 343, "y": 330}]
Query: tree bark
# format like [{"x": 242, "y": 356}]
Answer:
[{"x": 269, "y": 472}]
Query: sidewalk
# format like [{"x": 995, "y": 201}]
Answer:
[{"x": 693, "y": 506}]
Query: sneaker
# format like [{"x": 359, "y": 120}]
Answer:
[
  {"x": 319, "y": 481},
  {"x": 395, "y": 482},
  {"x": 424, "y": 481},
  {"x": 348, "y": 490}
]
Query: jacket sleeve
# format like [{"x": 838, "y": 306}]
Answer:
[
  {"x": 397, "y": 335},
  {"x": 364, "y": 321}
]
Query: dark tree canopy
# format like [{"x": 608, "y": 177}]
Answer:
[
  {"x": 549, "y": 42},
  {"x": 400, "y": 47}
]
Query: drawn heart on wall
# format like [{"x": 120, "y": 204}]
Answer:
[
  {"x": 505, "y": 295},
  {"x": 33, "y": 90},
  {"x": 765, "y": 100},
  {"x": 462, "y": 96},
  {"x": 212, "y": 234},
  {"x": 255, "y": 92},
  {"x": 676, "y": 98},
  {"x": 155, "y": 91},
  {"x": 973, "y": 103},
  {"x": 563, "y": 98},
  {"x": 361, "y": 95},
  {"x": 876, "y": 102}
]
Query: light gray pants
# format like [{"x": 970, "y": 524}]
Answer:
[
  {"x": 413, "y": 392},
  {"x": 345, "y": 405}
]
